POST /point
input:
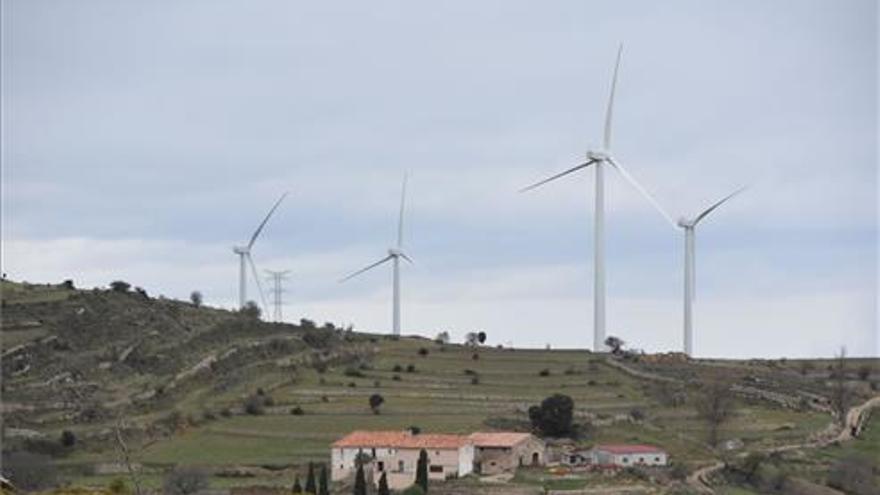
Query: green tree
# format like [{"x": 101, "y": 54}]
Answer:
[
  {"x": 554, "y": 416},
  {"x": 310, "y": 480},
  {"x": 323, "y": 485},
  {"x": 360, "y": 483},
  {"x": 297, "y": 488},
  {"x": 383, "y": 486},
  {"x": 422, "y": 470}
]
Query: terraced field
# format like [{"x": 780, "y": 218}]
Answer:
[{"x": 178, "y": 377}]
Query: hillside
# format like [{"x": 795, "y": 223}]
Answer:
[{"x": 175, "y": 381}]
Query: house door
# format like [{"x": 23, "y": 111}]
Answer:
[
  {"x": 536, "y": 459},
  {"x": 478, "y": 467}
]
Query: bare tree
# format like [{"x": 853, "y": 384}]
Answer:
[
  {"x": 841, "y": 396},
  {"x": 714, "y": 404},
  {"x": 125, "y": 457},
  {"x": 184, "y": 481}
]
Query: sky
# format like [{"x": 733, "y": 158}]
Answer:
[{"x": 142, "y": 140}]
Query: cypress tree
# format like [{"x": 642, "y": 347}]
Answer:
[
  {"x": 297, "y": 488},
  {"x": 323, "y": 486},
  {"x": 422, "y": 470},
  {"x": 383, "y": 486},
  {"x": 360, "y": 483},
  {"x": 310, "y": 480}
]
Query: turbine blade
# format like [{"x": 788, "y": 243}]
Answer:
[
  {"x": 263, "y": 223},
  {"x": 362, "y": 270},
  {"x": 400, "y": 220},
  {"x": 407, "y": 258},
  {"x": 719, "y": 203},
  {"x": 629, "y": 178},
  {"x": 609, "y": 112},
  {"x": 573, "y": 169},
  {"x": 257, "y": 280}
]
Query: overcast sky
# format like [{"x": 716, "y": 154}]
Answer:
[{"x": 142, "y": 140}]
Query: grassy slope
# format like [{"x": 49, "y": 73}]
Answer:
[{"x": 439, "y": 396}]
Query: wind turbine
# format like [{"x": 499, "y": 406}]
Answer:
[
  {"x": 689, "y": 227},
  {"x": 394, "y": 255},
  {"x": 244, "y": 257},
  {"x": 599, "y": 159}
]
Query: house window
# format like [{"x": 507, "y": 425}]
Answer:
[
  {"x": 625, "y": 460},
  {"x": 381, "y": 466},
  {"x": 656, "y": 459},
  {"x": 373, "y": 451},
  {"x": 435, "y": 469},
  {"x": 641, "y": 459},
  {"x": 400, "y": 466}
]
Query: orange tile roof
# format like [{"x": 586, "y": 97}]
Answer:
[
  {"x": 497, "y": 439},
  {"x": 400, "y": 440}
]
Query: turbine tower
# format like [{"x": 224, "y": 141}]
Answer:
[
  {"x": 394, "y": 255},
  {"x": 599, "y": 159},
  {"x": 277, "y": 278},
  {"x": 244, "y": 258},
  {"x": 689, "y": 227}
]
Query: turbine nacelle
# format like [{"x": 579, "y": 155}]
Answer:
[
  {"x": 395, "y": 252},
  {"x": 599, "y": 156},
  {"x": 685, "y": 223},
  {"x": 240, "y": 249}
]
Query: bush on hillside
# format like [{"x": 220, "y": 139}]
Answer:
[
  {"x": 554, "y": 416},
  {"x": 29, "y": 471},
  {"x": 119, "y": 286},
  {"x": 185, "y": 481},
  {"x": 195, "y": 298},
  {"x": 254, "y": 405},
  {"x": 68, "y": 439}
]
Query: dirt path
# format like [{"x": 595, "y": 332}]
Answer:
[
  {"x": 855, "y": 421},
  {"x": 699, "y": 479}
]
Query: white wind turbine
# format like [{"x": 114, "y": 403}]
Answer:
[
  {"x": 394, "y": 255},
  {"x": 244, "y": 257},
  {"x": 689, "y": 227},
  {"x": 599, "y": 158}
]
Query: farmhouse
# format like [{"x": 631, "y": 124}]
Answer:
[
  {"x": 627, "y": 455},
  {"x": 396, "y": 454},
  {"x": 504, "y": 452}
]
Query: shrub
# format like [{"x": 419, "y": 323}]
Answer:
[
  {"x": 376, "y": 400},
  {"x": 297, "y": 411},
  {"x": 29, "y": 471},
  {"x": 544, "y": 372},
  {"x": 352, "y": 384},
  {"x": 470, "y": 372},
  {"x": 396, "y": 378},
  {"x": 475, "y": 356},
  {"x": 423, "y": 351},
  {"x": 118, "y": 487},
  {"x": 475, "y": 380},
  {"x": 225, "y": 412},
  {"x": 554, "y": 416},
  {"x": 637, "y": 414},
  {"x": 119, "y": 286},
  {"x": 853, "y": 474},
  {"x": 254, "y": 405},
  {"x": 68, "y": 285},
  {"x": 397, "y": 368},
  {"x": 251, "y": 310},
  {"x": 68, "y": 439},
  {"x": 184, "y": 481},
  {"x": 864, "y": 372},
  {"x": 195, "y": 298},
  {"x": 353, "y": 372},
  {"x": 410, "y": 368}
]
